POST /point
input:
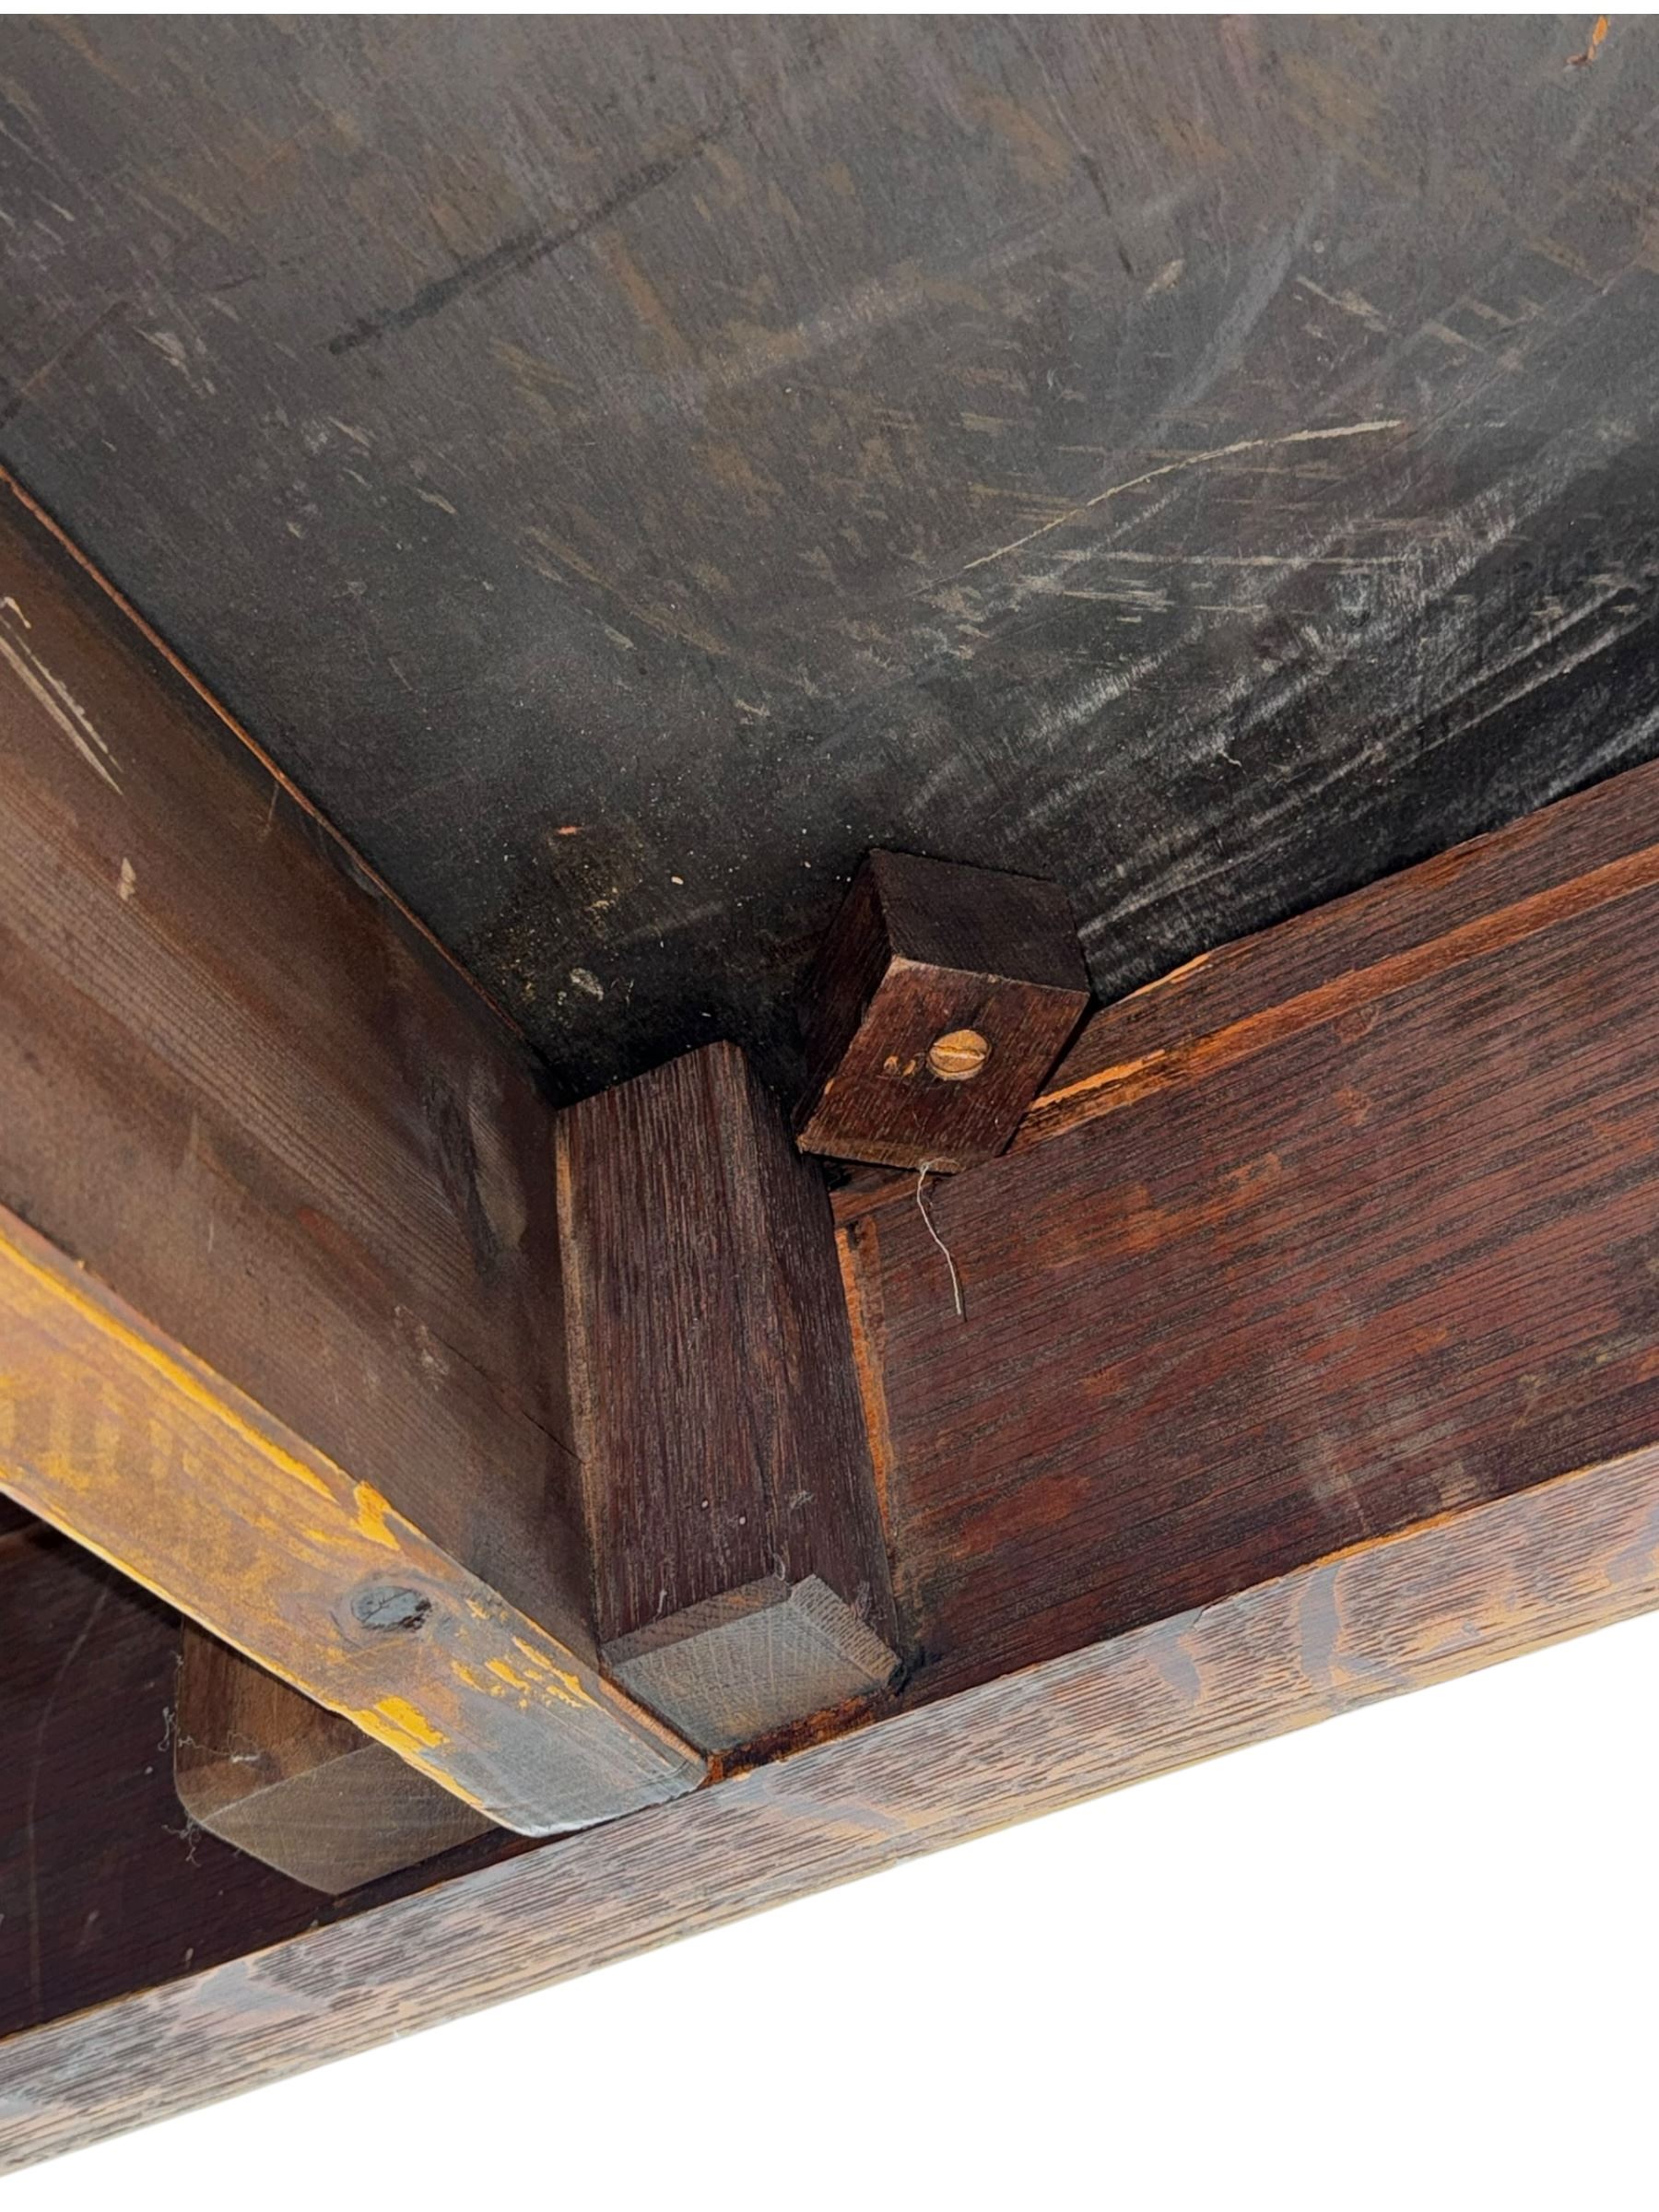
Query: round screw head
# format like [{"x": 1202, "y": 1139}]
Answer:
[
  {"x": 958, "y": 1055},
  {"x": 389, "y": 1609}
]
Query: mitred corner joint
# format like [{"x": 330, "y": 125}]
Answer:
[{"x": 941, "y": 998}]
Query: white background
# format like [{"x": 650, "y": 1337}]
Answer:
[{"x": 1407, "y": 1959}]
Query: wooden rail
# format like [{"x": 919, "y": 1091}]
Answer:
[{"x": 1307, "y": 1349}]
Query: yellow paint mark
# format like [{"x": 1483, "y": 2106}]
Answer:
[
  {"x": 59, "y": 1286},
  {"x": 572, "y": 1682},
  {"x": 1597, "y": 33},
  {"x": 371, "y": 1511},
  {"x": 504, "y": 1673},
  {"x": 404, "y": 1717}
]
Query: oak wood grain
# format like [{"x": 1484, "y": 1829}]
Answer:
[
  {"x": 135, "y": 1449},
  {"x": 725, "y": 1465},
  {"x": 1379, "y": 1267},
  {"x": 1395, "y": 1614}
]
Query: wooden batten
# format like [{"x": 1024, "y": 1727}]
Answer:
[
  {"x": 740, "y": 1573},
  {"x": 164, "y": 1469},
  {"x": 247, "y": 1096}
]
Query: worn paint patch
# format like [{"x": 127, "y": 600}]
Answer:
[
  {"x": 404, "y": 1717},
  {"x": 371, "y": 1516}
]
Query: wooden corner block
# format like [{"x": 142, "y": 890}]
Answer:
[
  {"x": 740, "y": 1666},
  {"x": 262, "y": 1767},
  {"x": 941, "y": 998},
  {"x": 740, "y": 1570}
]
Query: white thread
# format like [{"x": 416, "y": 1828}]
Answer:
[{"x": 955, "y": 1284}]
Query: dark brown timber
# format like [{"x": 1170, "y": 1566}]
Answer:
[
  {"x": 741, "y": 1579},
  {"x": 239, "y": 1089},
  {"x": 941, "y": 998},
  {"x": 1382, "y": 1243}
]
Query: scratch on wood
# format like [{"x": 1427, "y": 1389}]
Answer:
[
  {"x": 50, "y": 692},
  {"x": 1171, "y": 468}
]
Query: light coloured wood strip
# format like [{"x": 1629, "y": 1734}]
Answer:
[
  {"x": 141, "y": 1453},
  {"x": 1440, "y": 1600}
]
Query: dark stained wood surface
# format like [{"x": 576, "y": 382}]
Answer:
[
  {"x": 101, "y": 1888},
  {"x": 1479, "y": 1586},
  {"x": 105, "y": 1884},
  {"x": 126, "y": 1442},
  {"x": 238, "y": 1086},
  {"x": 1403, "y": 931},
  {"x": 301, "y": 1788},
  {"x": 241, "y": 1090},
  {"x": 626, "y": 471},
  {"x": 1397, "y": 1257},
  {"x": 938, "y": 1002},
  {"x": 717, "y": 1416}
]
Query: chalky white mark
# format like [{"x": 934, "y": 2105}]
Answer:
[
  {"x": 1171, "y": 468},
  {"x": 46, "y": 689}
]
